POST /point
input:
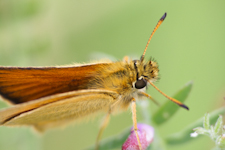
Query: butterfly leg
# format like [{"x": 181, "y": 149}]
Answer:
[
  {"x": 150, "y": 97},
  {"x": 134, "y": 117},
  {"x": 102, "y": 128}
]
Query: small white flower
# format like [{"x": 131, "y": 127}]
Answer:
[{"x": 195, "y": 134}]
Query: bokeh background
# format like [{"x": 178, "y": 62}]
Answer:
[{"x": 189, "y": 45}]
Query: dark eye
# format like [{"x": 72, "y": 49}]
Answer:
[{"x": 140, "y": 84}]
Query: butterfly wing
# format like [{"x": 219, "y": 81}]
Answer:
[
  {"x": 58, "y": 110},
  {"x": 20, "y": 85}
]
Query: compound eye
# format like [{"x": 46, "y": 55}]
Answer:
[{"x": 140, "y": 84}]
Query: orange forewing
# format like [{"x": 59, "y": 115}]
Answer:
[{"x": 20, "y": 85}]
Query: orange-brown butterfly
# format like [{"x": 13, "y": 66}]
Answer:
[{"x": 48, "y": 97}]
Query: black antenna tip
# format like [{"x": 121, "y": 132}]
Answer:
[
  {"x": 163, "y": 17},
  {"x": 184, "y": 106}
]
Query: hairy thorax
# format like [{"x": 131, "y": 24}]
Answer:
[{"x": 122, "y": 76}]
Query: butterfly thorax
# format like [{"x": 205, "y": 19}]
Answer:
[{"x": 122, "y": 76}]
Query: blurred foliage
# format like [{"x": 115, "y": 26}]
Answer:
[
  {"x": 184, "y": 135},
  {"x": 215, "y": 132}
]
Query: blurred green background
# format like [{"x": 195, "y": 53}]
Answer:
[{"x": 189, "y": 45}]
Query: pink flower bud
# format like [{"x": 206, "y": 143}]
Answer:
[{"x": 145, "y": 133}]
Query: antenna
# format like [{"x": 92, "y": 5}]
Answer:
[
  {"x": 156, "y": 27},
  {"x": 170, "y": 98}
]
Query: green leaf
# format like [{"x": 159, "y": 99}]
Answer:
[
  {"x": 169, "y": 108},
  {"x": 218, "y": 125},
  {"x": 184, "y": 135},
  {"x": 212, "y": 133},
  {"x": 112, "y": 142},
  {"x": 206, "y": 123},
  {"x": 200, "y": 130}
]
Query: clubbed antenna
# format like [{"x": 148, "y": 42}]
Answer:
[
  {"x": 170, "y": 98},
  {"x": 156, "y": 27}
]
